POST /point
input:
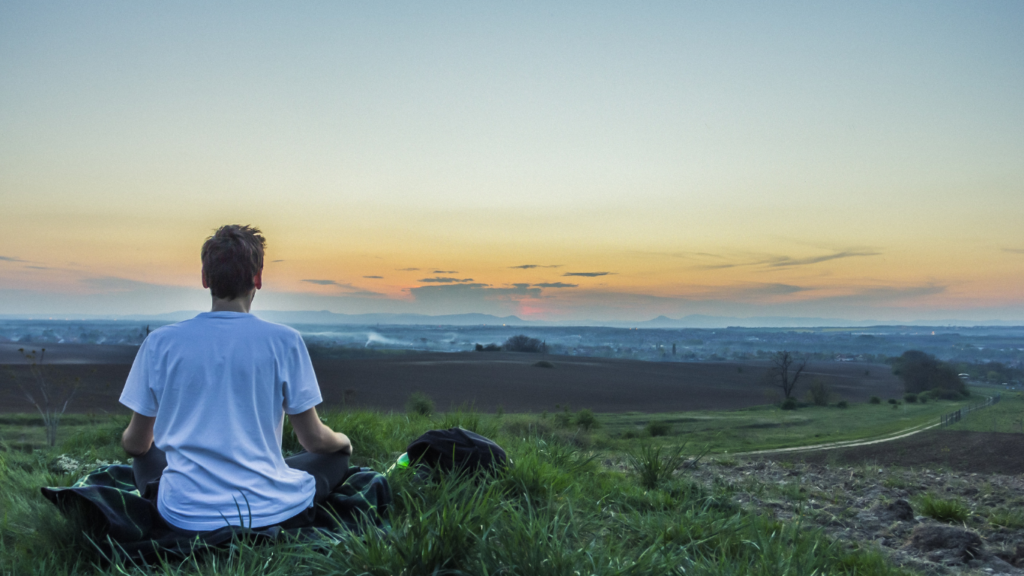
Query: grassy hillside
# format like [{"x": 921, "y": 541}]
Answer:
[
  {"x": 557, "y": 511},
  {"x": 1005, "y": 416},
  {"x": 767, "y": 427}
]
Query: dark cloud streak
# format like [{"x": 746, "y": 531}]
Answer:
[
  {"x": 784, "y": 261},
  {"x": 348, "y": 289},
  {"x": 787, "y": 261},
  {"x": 555, "y": 285},
  {"x": 445, "y": 280}
]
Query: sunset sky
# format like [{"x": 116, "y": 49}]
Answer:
[{"x": 556, "y": 161}]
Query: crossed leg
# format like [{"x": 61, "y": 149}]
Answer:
[{"x": 327, "y": 470}]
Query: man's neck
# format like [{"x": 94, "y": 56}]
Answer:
[{"x": 241, "y": 304}]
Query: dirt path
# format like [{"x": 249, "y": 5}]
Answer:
[{"x": 905, "y": 433}]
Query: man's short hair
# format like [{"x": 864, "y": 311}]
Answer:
[{"x": 231, "y": 258}]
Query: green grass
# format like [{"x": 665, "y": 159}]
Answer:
[
  {"x": 768, "y": 427},
  {"x": 26, "y": 430},
  {"x": 557, "y": 511},
  {"x": 1005, "y": 416},
  {"x": 944, "y": 510},
  {"x": 655, "y": 465},
  {"x": 1007, "y": 518}
]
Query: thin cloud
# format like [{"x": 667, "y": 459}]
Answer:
[
  {"x": 532, "y": 266},
  {"x": 555, "y": 285},
  {"x": 276, "y": 261},
  {"x": 474, "y": 290},
  {"x": 446, "y": 272},
  {"x": 408, "y": 269},
  {"x": 445, "y": 280},
  {"x": 889, "y": 293},
  {"x": 1014, "y": 250},
  {"x": 374, "y": 277},
  {"x": 720, "y": 266},
  {"x": 787, "y": 261},
  {"x": 11, "y": 259},
  {"x": 348, "y": 289},
  {"x": 588, "y": 274},
  {"x": 757, "y": 291},
  {"x": 772, "y": 261},
  {"x": 39, "y": 267}
]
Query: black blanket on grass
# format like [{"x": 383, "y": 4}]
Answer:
[{"x": 123, "y": 522}]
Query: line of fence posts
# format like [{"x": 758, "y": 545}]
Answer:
[{"x": 954, "y": 417}]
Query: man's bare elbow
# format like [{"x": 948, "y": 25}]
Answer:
[{"x": 133, "y": 447}]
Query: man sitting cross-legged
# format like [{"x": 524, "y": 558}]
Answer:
[{"x": 209, "y": 397}]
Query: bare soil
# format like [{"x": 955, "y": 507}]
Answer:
[
  {"x": 878, "y": 506},
  {"x": 486, "y": 380},
  {"x": 981, "y": 452}
]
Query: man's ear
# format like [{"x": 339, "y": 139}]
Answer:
[
  {"x": 205, "y": 283},
  {"x": 257, "y": 280}
]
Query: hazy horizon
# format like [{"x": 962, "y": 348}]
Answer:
[{"x": 600, "y": 161}]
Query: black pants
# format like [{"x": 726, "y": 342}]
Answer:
[{"x": 328, "y": 470}]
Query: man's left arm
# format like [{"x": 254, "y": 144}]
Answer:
[{"x": 138, "y": 436}]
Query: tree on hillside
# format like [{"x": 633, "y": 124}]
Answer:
[
  {"x": 785, "y": 370},
  {"x": 523, "y": 343},
  {"x": 921, "y": 372}
]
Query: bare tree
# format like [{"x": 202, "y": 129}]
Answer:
[
  {"x": 785, "y": 370},
  {"x": 50, "y": 393}
]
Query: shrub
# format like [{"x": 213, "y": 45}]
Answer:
[
  {"x": 585, "y": 419},
  {"x": 819, "y": 394},
  {"x": 563, "y": 418},
  {"x": 910, "y": 398},
  {"x": 420, "y": 403},
  {"x": 842, "y": 404},
  {"x": 658, "y": 428},
  {"x": 653, "y": 467},
  {"x": 543, "y": 364},
  {"x": 893, "y": 401},
  {"x": 875, "y": 400},
  {"x": 523, "y": 343},
  {"x": 488, "y": 348},
  {"x": 788, "y": 404},
  {"x": 922, "y": 399},
  {"x": 952, "y": 510}
]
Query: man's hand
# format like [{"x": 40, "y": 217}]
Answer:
[
  {"x": 138, "y": 436},
  {"x": 316, "y": 437}
]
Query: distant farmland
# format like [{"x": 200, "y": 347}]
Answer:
[{"x": 501, "y": 379}]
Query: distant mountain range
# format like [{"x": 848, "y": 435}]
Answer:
[{"x": 326, "y": 317}]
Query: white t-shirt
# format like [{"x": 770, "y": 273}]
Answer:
[{"x": 219, "y": 386}]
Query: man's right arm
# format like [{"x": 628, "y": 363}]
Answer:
[
  {"x": 138, "y": 436},
  {"x": 315, "y": 436}
]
